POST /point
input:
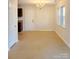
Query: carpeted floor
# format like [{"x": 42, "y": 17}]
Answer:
[{"x": 39, "y": 45}]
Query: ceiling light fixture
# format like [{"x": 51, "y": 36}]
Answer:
[{"x": 40, "y": 4}]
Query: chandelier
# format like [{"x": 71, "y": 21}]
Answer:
[{"x": 40, "y": 3}]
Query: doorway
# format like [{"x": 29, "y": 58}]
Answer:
[{"x": 20, "y": 22}]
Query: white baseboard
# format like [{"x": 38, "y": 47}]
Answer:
[
  {"x": 38, "y": 30},
  {"x": 13, "y": 44},
  {"x": 63, "y": 39}
]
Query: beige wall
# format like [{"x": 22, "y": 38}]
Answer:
[
  {"x": 64, "y": 32},
  {"x": 36, "y": 19}
]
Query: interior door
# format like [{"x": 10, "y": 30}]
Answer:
[
  {"x": 13, "y": 32},
  {"x": 42, "y": 18},
  {"x": 29, "y": 18}
]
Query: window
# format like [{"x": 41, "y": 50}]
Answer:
[{"x": 62, "y": 16}]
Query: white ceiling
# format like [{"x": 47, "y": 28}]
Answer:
[{"x": 36, "y": 1}]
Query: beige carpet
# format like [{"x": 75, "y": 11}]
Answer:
[{"x": 39, "y": 45}]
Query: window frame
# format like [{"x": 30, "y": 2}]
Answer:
[{"x": 61, "y": 16}]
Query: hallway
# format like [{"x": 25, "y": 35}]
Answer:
[{"x": 39, "y": 45}]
